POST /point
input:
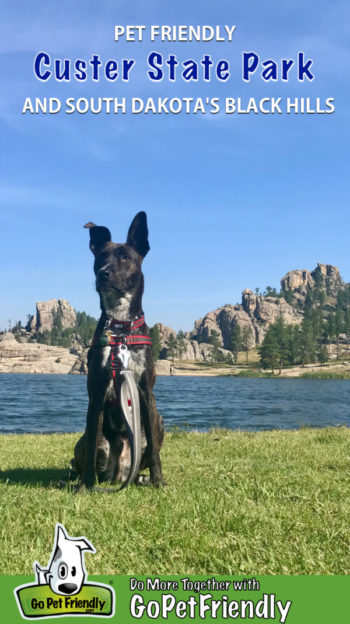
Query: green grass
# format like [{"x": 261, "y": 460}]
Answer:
[
  {"x": 316, "y": 375},
  {"x": 326, "y": 375},
  {"x": 252, "y": 503},
  {"x": 254, "y": 373}
]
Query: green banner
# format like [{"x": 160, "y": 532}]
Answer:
[
  {"x": 38, "y": 601},
  {"x": 291, "y": 599}
]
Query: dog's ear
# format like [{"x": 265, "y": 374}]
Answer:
[
  {"x": 99, "y": 235},
  {"x": 84, "y": 544},
  {"x": 138, "y": 234}
]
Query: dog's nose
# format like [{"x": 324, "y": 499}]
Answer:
[
  {"x": 104, "y": 274},
  {"x": 67, "y": 588}
]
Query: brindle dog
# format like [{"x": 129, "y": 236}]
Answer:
[{"x": 104, "y": 450}]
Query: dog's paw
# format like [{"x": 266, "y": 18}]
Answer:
[
  {"x": 160, "y": 483},
  {"x": 157, "y": 479},
  {"x": 142, "y": 479},
  {"x": 82, "y": 487},
  {"x": 78, "y": 488}
]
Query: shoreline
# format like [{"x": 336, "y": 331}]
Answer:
[
  {"x": 338, "y": 370},
  {"x": 334, "y": 370},
  {"x": 37, "y": 358}
]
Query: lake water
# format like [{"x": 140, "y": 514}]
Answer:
[{"x": 58, "y": 403}]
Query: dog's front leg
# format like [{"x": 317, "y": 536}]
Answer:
[
  {"x": 150, "y": 419},
  {"x": 94, "y": 422}
]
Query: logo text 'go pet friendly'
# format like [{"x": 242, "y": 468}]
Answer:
[{"x": 61, "y": 588}]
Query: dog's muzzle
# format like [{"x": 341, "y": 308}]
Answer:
[{"x": 103, "y": 276}]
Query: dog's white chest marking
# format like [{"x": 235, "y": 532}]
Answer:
[
  {"x": 122, "y": 310},
  {"x": 105, "y": 356},
  {"x": 137, "y": 363}
]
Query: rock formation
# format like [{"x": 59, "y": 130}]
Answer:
[
  {"x": 256, "y": 313},
  {"x": 264, "y": 311},
  {"x": 47, "y": 312},
  {"x": 30, "y": 357},
  {"x": 325, "y": 277},
  {"x": 163, "y": 367},
  {"x": 80, "y": 366},
  {"x": 165, "y": 333},
  {"x": 193, "y": 350},
  {"x": 223, "y": 321},
  {"x": 329, "y": 277},
  {"x": 297, "y": 280}
]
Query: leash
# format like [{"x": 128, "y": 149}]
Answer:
[
  {"x": 129, "y": 400},
  {"x": 129, "y": 395}
]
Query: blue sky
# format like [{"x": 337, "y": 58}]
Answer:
[{"x": 233, "y": 202}]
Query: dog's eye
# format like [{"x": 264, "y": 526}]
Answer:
[
  {"x": 74, "y": 571},
  {"x": 62, "y": 570},
  {"x": 126, "y": 258}
]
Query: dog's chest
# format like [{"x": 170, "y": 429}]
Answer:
[{"x": 137, "y": 361}]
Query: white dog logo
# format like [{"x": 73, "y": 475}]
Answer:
[{"x": 65, "y": 572}]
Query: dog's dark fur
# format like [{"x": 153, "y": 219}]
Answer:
[{"x": 104, "y": 450}]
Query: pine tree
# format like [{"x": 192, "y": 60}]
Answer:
[
  {"x": 155, "y": 337},
  {"x": 347, "y": 325},
  {"x": 330, "y": 329},
  {"x": 214, "y": 340},
  {"x": 246, "y": 337},
  {"x": 269, "y": 350},
  {"x": 288, "y": 295},
  {"x": 322, "y": 354},
  {"x": 295, "y": 344},
  {"x": 172, "y": 347},
  {"x": 308, "y": 342},
  {"x": 229, "y": 359},
  {"x": 282, "y": 336},
  {"x": 339, "y": 326},
  {"x": 85, "y": 326},
  {"x": 318, "y": 279},
  {"x": 181, "y": 343},
  {"x": 236, "y": 341},
  {"x": 308, "y": 303},
  {"x": 322, "y": 298}
]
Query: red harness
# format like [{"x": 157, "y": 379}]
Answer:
[{"x": 109, "y": 338}]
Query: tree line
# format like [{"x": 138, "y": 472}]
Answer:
[
  {"x": 325, "y": 319},
  {"x": 309, "y": 342},
  {"x": 83, "y": 330},
  {"x": 175, "y": 347}
]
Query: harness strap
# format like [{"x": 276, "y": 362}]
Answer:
[
  {"x": 113, "y": 341},
  {"x": 130, "y": 325},
  {"x": 121, "y": 332}
]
